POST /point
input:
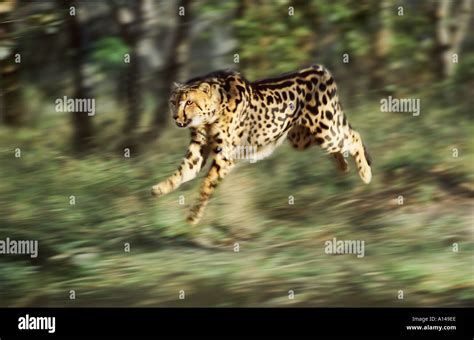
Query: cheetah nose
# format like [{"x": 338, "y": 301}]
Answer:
[{"x": 181, "y": 125}]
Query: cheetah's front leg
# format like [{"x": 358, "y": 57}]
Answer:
[
  {"x": 220, "y": 168},
  {"x": 190, "y": 166}
]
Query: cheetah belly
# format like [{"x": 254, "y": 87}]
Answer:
[{"x": 266, "y": 150}]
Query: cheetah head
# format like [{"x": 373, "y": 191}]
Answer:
[{"x": 194, "y": 104}]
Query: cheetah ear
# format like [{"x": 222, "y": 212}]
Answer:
[
  {"x": 206, "y": 88},
  {"x": 177, "y": 85}
]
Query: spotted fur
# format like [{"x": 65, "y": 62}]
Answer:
[{"x": 225, "y": 111}]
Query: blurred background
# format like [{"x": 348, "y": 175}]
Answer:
[{"x": 80, "y": 185}]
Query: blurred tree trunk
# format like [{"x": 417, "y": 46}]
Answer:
[
  {"x": 130, "y": 21},
  {"x": 11, "y": 104},
  {"x": 83, "y": 128},
  {"x": 451, "y": 26},
  {"x": 312, "y": 19},
  {"x": 175, "y": 58},
  {"x": 381, "y": 45}
]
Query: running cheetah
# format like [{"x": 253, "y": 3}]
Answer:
[{"x": 225, "y": 111}]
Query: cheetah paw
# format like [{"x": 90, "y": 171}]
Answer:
[{"x": 157, "y": 191}]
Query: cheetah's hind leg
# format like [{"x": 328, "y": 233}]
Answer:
[{"x": 301, "y": 138}]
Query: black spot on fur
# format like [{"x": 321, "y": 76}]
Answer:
[{"x": 325, "y": 100}]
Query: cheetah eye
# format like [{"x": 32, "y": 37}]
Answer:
[{"x": 189, "y": 102}]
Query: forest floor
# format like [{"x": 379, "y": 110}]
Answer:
[{"x": 409, "y": 247}]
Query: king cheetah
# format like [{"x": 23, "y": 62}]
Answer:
[{"x": 224, "y": 111}]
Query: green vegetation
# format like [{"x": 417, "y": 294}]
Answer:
[
  {"x": 125, "y": 54},
  {"x": 81, "y": 246}
]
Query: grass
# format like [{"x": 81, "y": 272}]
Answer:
[{"x": 409, "y": 247}]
